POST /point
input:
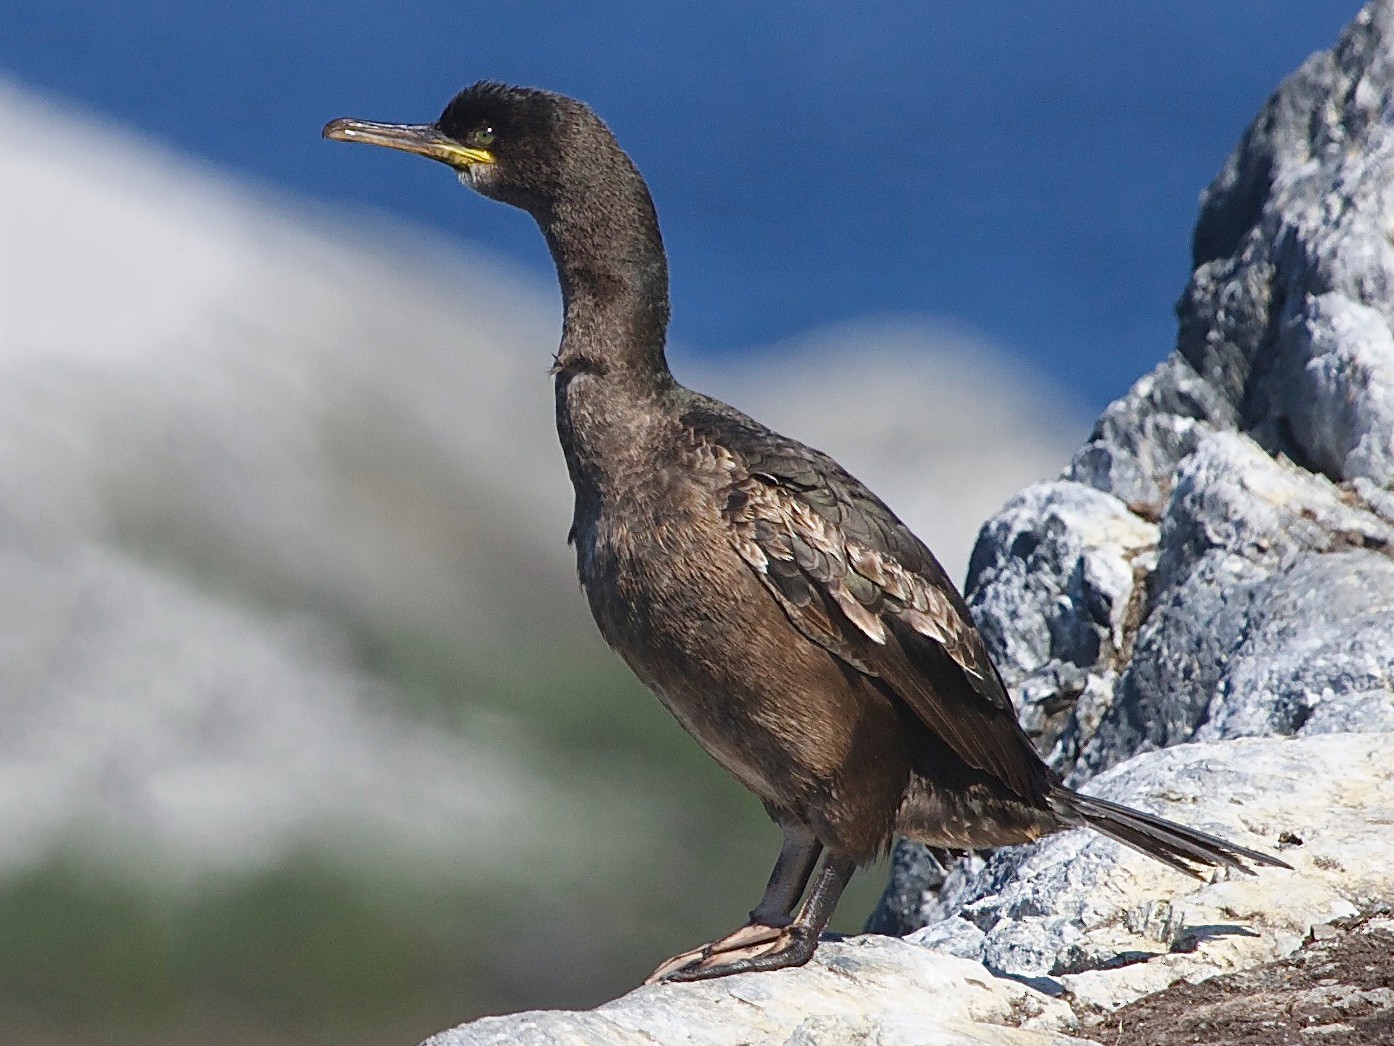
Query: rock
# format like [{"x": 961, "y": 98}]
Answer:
[
  {"x": 1215, "y": 565},
  {"x": 1287, "y": 314},
  {"x": 870, "y": 989},
  {"x": 1244, "y": 481},
  {"x": 1243, "y": 485},
  {"x": 915, "y": 874},
  {"x": 1271, "y": 593},
  {"x": 1080, "y": 914},
  {"x": 1057, "y": 577},
  {"x": 1285, "y": 325},
  {"x": 1141, "y": 438}
]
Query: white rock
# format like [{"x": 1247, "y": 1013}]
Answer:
[
  {"x": 869, "y": 989},
  {"x": 1060, "y": 913}
]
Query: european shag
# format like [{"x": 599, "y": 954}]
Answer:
[{"x": 789, "y": 621}]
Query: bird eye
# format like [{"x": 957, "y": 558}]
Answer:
[{"x": 481, "y": 137}]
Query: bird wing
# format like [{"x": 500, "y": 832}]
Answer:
[{"x": 854, "y": 579}]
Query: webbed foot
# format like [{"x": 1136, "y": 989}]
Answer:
[{"x": 754, "y": 947}]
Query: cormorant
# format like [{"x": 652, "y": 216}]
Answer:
[{"x": 789, "y": 621}]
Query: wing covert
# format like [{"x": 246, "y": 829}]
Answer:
[{"x": 854, "y": 579}]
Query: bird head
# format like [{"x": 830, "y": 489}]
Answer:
[{"x": 520, "y": 145}]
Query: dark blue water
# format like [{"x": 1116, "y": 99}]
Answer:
[{"x": 1030, "y": 170}]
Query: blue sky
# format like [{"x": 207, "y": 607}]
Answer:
[{"x": 1029, "y": 171}]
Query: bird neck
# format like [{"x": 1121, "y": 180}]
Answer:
[
  {"x": 612, "y": 378},
  {"x": 611, "y": 374},
  {"x": 614, "y": 282}
]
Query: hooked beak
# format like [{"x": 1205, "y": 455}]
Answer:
[{"x": 423, "y": 139}]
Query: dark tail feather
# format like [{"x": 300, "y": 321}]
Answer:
[{"x": 1182, "y": 848}]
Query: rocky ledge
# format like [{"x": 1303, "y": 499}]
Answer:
[{"x": 1196, "y": 618}]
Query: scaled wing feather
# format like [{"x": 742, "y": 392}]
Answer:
[{"x": 853, "y": 579}]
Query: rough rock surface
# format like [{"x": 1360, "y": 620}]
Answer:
[
  {"x": 1215, "y": 565},
  {"x": 853, "y": 991},
  {"x": 1080, "y": 915}
]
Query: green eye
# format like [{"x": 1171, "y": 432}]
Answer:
[{"x": 482, "y": 137}]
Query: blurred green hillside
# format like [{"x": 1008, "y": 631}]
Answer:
[{"x": 326, "y": 948}]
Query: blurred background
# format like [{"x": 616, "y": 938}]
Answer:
[{"x": 306, "y": 735}]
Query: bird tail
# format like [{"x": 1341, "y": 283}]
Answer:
[{"x": 1184, "y": 849}]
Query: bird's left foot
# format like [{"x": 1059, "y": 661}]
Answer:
[{"x": 754, "y": 947}]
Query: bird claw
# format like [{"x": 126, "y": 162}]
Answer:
[{"x": 755, "y": 946}]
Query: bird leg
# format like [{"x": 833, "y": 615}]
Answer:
[
  {"x": 792, "y": 870},
  {"x": 767, "y": 943}
]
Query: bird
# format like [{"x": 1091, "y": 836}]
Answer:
[{"x": 784, "y": 615}]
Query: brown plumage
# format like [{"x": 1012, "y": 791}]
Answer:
[{"x": 784, "y": 615}]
